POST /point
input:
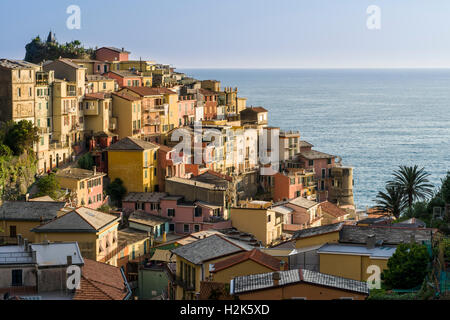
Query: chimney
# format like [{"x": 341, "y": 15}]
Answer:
[
  {"x": 69, "y": 260},
  {"x": 33, "y": 255},
  {"x": 25, "y": 244},
  {"x": 276, "y": 276},
  {"x": 123, "y": 49},
  {"x": 19, "y": 240},
  {"x": 284, "y": 266},
  {"x": 95, "y": 169},
  {"x": 370, "y": 242}
]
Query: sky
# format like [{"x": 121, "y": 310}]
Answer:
[{"x": 243, "y": 33}]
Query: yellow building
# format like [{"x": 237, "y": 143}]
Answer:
[
  {"x": 352, "y": 261},
  {"x": 317, "y": 236},
  {"x": 97, "y": 109},
  {"x": 18, "y": 217},
  {"x": 193, "y": 262},
  {"x": 97, "y": 83},
  {"x": 256, "y": 218},
  {"x": 86, "y": 186},
  {"x": 135, "y": 162},
  {"x": 246, "y": 263},
  {"x": 95, "y": 232},
  {"x": 127, "y": 110}
]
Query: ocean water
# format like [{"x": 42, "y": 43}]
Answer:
[{"x": 375, "y": 120}]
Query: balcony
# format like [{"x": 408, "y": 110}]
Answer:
[
  {"x": 43, "y": 130},
  {"x": 152, "y": 122},
  {"x": 188, "y": 286},
  {"x": 58, "y": 145}
]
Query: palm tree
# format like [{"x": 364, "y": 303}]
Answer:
[
  {"x": 414, "y": 183},
  {"x": 391, "y": 201}
]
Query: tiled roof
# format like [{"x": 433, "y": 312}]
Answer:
[
  {"x": 125, "y": 73},
  {"x": 265, "y": 281},
  {"x": 310, "y": 232},
  {"x": 303, "y": 202},
  {"x": 114, "y": 49},
  {"x": 208, "y": 287},
  {"x": 207, "y": 249},
  {"x": 30, "y": 210},
  {"x": 332, "y": 209},
  {"x": 207, "y": 92},
  {"x": 129, "y": 143},
  {"x": 145, "y": 218},
  {"x": 385, "y": 234},
  {"x": 17, "y": 64},
  {"x": 383, "y": 252},
  {"x": 314, "y": 155},
  {"x": 305, "y": 144},
  {"x": 100, "y": 281},
  {"x": 126, "y": 96},
  {"x": 79, "y": 174},
  {"x": 147, "y": 91},
  {"x": 144, "y": 196},
  {"x": 255, "y": 109},
  {"x": 69, "y": 63},
  {"x": 78, "y": 220},
  {"x": 129, "y": 236},
  {"x": 97, "y": 96},
  {"x": 254, "y": 255}
]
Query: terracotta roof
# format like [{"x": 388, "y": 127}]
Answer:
[
  {"x": 303, "y": 202},
  {"x": 96, "y": 96},
  {"x": 332, "y": 209},
  {"x": 316, "y": 231},
  {"x": 207, "y": 92},
  {"x": 147, "y": 91},
  {"x": 214, "y": 290},
  {"x": 254, "y": 255},
  {"x": 129, "y": 143},
  {"x": 100, "y": 281},
  {"x": 113, "y": 49},
  {"x": 255, "y": 109},
  {"x": 126, "y": 96},
  {"x": 314, "y": 154}
]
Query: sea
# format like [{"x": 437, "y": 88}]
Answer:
[{"x": 375, "y": 119}]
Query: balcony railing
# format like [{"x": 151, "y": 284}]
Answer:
[{"x": 188, "y": 286}]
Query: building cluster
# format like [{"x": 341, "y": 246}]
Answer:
[{"x": 211, "y": 218}]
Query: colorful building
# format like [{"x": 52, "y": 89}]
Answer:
[
  {"x": 111, "y": 54},
  {"x": 94, "y": 231},
  {"x": 135, "y": 162},
  {"x": 127, "y": 110},
  {"x": 85, "y": 186}
]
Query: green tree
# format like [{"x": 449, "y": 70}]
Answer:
[
  {"x": 407, "y": 267},
  {"x": 414, "y": 183},
  {"x": 49, "y": 186},
  {"x": 391, "y": 201},
  {"x": 86, "y": 161},
  {"x": 445, "y": 188},
  {"x": 116, "y": 190},
  {"x": 21, "y": 136}
]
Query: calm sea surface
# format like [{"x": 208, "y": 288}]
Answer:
[{"x": 375, "y": 120}]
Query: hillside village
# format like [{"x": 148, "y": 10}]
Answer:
[{"x": 146, "y": 219}]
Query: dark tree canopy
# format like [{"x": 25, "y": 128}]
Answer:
[
  {"x": 407, "y": 267},
  {"x": 86, "y": 161},
  {"x": 20, "y": 136},
  {"x": 49, "y": 186},
  {"x": 116, "y": 190}
]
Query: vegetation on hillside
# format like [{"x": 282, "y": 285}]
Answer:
[
  {"x": 86, "y": 161},
  {"x": 38, "y": 51}
]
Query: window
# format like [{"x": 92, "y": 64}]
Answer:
[
  {"x": 269, "y": 217},
  {"x": 129, "y": 83},
  {"x": 197, "y": 228},
  {"x": 323, "y": 173},
  {"x": 198, "y": 212},
  {"x": 42, "y": 141},
  {"x": 171, "y": 227},
  {"x": 154, "y": 155},
  {"x": 145, "y": 174},
  {"x": 322, "y": 185},
  {"x": 186, "y": 228},
  {"x": 30, "y": 91},
  {"x": 329, "y": 161},
  {"x": 311, "y": 162},
  {"x": 104, "y": 85},
  {"x": 154, "y": 172},
  {"x": 12, "y": 231},
  {"x": 19, "y": 92},
  {"x": 171, "y": 212},
  {"x": 16, "y": 278}
]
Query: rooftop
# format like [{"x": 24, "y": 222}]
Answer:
[
  {"x": 382, "y": 252},
  {"x": 144, "y": 196},
  {"x": 314, "y": 155},
  {"x": 254, "y": 255},
  {"x": 145, "y": 218},
  {"x": 97, "y": 77},
  {"x": 81, "y": 219},
  {"x": 101, "y": 281},
  {"x": 97, "y": 96},
  {"x": 310, "y": 232},
  {"x": 79, "y": 174},
  {"x": 114, "y": 49},
  {"x": 30, "y": 210},
  {"x": 304, "y": 144},
  {"x": 265, "y": 281},
  {"x": 255, "y": 109},
  {"x": 129, "y": 236},
  {"x": 17, "y": 64},
  {"x": 332, "y": 209},
  {"x": 126, "y": 96},
  {"x": 303, "y": 202},
  {"x": 147, "y": 91},
  {"x": 207, "y": 249},
  {"x": 129, "y": 143}
]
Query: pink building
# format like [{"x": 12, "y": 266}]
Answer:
[
  {"x": 292, "y": 183},
  {"x": 145, "y": 201},
  {"x": 186, "y": 110},
  {"x": 168, "y": 167},
  {"x": 111, "y": 54},
  {"x": 125, "y": 78},
  {"x": 189, "y": 217}
]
